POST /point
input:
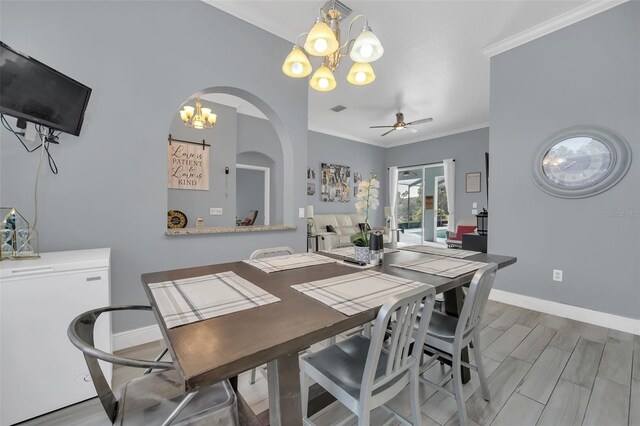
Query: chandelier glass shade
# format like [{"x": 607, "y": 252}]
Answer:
[
  {"x": 323, "y": 79},
  {"x": 323, "y": 40},
  {"x": 297, "y": 64},
  {"x": 361, "y": 73},
  {"x": 198, "y": 117}
]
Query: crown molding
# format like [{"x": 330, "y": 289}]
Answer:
[
  {"x": 441, "y": 134},
  {"x": 554, "y": 24}
]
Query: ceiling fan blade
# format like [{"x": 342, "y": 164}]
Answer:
[
  {"x": 386, "y": 133},
  {"x": 424, "y": 120},
  {"x": 379, "y": 127},
  {"x": 412, "y": 129}
]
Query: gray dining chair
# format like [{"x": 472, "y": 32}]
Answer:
[
  {"x": 259, "y": 254},
  {"x": 363, "y": 373},
  {"x": 448, "y": 335},
  {"x": 156, "y": 398}
]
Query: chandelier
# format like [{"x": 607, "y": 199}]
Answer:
[
  {"x": 198, "y": 117},
  {"x": 323, "y": 40}
]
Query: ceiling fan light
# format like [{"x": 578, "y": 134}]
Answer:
[
  {"x": 323, "y": 79},
  {"x": 367, "y": 47},
  {"x": 321, "y": 41},
  {"x": 361, "y": 73},
  {"x": 296, "y": 64}
]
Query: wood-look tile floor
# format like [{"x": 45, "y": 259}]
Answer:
[{"x": 542, "y": 370}]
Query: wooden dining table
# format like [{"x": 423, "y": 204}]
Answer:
[{"x": 208, "y": 351}]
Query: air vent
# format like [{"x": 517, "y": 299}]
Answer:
[
  {"x": 338, "y": 108},
  {"x": 339, "y": 6}
]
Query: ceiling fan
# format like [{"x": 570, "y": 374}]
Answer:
[{"x": 401, "y": 125}]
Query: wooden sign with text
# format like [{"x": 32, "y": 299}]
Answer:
[{"x": 188, "y": 166}]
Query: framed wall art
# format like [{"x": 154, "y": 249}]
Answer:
[
  {"x": 335, "y": 186},
  {"x": 473, "y": 182}
]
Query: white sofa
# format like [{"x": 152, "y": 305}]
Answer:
[{"x": 345, "y": 225}]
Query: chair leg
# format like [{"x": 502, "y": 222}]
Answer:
[
  {"x": 252, "y": 380},
  {"x": 304, "y": 393},
  {"x": 479, "y": 364},
  {"x": 414, "y": 394},
  {"x": 364, "y": 415},
  {"x": 457, "y": 387}
]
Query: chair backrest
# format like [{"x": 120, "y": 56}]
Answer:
[
  {"x": 80, "y": 332},
  {"x": 251, "y": 217},
  {"x": 404, "y": 309},
  {"x": 476, "y": 299},
  {"x": 270, "y": 252}
]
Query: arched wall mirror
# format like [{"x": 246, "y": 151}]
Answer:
[{"x": 228, "y": 173}]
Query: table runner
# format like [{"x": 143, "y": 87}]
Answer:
[
  {"x": 195, "y": 299},
  {"x": 447, "y": 252},
  {"x": 443, "y": 266},
  {"x": 289, "y": 261},
  {"x": 358, "y": 292}
]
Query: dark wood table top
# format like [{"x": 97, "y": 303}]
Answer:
[{"x": 223, "y": 347}]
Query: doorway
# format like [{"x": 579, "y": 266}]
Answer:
[
  {"x": 253, "y": 185},
  {"x": 422, "y": 204}
]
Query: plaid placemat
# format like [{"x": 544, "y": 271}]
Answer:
[
  {"x": 289, "y": 261},
  {"x": 447, "y": 252},
  {"x": 358, "y": 292},
  {"x": 349, "y": 252},
  {"x": 443, "y": 266},
  {"x": 195, "y": 299}
]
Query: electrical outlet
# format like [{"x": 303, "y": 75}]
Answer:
[
  {"x": 215, "y": 211},
  {"x": 557, "y": 275},
  {"x": 301, "y": 212},
  {"x": 474, "y": 211}
]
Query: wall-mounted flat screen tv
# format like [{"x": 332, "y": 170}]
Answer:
[{"x": 37, "y": 93}]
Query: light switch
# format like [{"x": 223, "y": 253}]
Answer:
[
  {"x": 475, "y": 205},
  {"x": 301, "y": 212},
  {"x": 474, "y": 211},
  {"x": 215, "y": 211}
]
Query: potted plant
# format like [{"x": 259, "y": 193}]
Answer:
[{"x": 367, "y": 198}]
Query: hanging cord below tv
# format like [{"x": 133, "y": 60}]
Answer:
[{"x": 47, "y": 139}]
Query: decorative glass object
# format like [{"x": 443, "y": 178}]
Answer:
[
  {"x": 361, "y": 254},
  {"x": 18, "y": 239}
]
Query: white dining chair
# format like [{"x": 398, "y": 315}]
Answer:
[
  {"x": 448, "y": 335},
  {"x": 259, "y": 254},
  {"x": 363, "y": 373}
]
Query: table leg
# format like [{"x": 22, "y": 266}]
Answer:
[
  {"x": 453, "y": 301},
  {"x": 283, "y": 376}
]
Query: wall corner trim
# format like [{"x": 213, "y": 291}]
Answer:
[
  {"x": 554, "y": 24},
  {"x": 603, "y": 319}
]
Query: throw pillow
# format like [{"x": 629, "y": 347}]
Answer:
[
  {"x": 463, "y": 230},
  {"x": 361, "y": 225}
]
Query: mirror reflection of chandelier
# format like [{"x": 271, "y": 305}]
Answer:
[
  {"x": 198, "y": 117},
  {"x": 324, "y": 40}
]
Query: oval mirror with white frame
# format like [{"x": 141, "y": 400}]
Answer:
[
  {"x": 224, "y": 167},
  {"x": 581, "y": 161}
]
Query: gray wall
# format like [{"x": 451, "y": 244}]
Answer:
[
  {"x": 250, "y": 189},
  {"x": 222, "y": 153},
  {"x": 466, "y": 148},
  {"x": 142, "y": 60},
  {"x": 587, "y": 73},
  {"x": 360, "y": 157}
]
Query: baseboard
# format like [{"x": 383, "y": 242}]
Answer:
[
  {"x": 135, "y": 337},
  {"x": 140, "y": 336},
  {"x": 615, "y": 322}
]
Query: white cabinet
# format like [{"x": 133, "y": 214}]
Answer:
[{"x": 40, "y": 370}]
